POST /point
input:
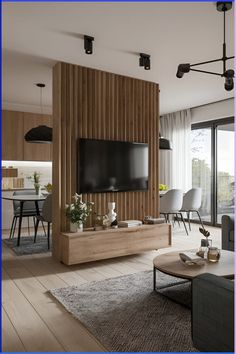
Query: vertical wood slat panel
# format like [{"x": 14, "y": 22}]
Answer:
[{"x": 99, "y": 105}]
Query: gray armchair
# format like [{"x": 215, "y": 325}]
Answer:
[
  {"x": 213, "y": 313},
  {"x": 227, "y": 232}
]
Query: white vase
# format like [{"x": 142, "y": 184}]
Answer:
[
  {"x": 74, "y": 227},
  {"x": 80, "y": 227},
  {"x": 111, "y": 214}
]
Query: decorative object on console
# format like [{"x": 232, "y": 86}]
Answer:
[
  {"x": 35, "y": 178},
  {"x": 130, "y": 223},
  {"x": 111, "y": 213},
  {"x": 151, "y": 220},
  {"x": 41, "y": 134},
  {"x": 78, "y": 212},
  {"x": 227, "y": 74}
]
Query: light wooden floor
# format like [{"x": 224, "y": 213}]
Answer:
[{"x": 34, "y": 321}]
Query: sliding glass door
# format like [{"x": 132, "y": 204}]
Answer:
[
  {"x": 202, "y": 168},
  {"x": 225, "y": 170},
  {"x": 212, "y": 150}
]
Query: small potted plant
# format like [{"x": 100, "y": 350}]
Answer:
[
  {"x": 48, "y": 187},
  {"x": 35, "y": 178},
  {"x": 163, "y": 187},
  {"x": 78, "y": 212}
]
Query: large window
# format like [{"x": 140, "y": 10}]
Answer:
[{"x": 212, "y": 150}]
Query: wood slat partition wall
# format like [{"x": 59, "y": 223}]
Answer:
[{"x": 89, "y": 103}]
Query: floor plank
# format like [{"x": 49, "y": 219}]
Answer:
[
  {"x": 10, "y": 340},
  {"x": 34, "y": 333},
  {"x": 34, "y": 321}
]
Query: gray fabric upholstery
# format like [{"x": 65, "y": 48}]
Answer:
[
  {"x": 213, "y": 313},
  {"x": 227, "y": 232}
]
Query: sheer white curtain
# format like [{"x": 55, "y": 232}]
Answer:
[{"x": 175, "y": 165}]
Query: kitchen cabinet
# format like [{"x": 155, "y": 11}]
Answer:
[
  {"x": 14, "y": 127},
  {"x": 12, "y": 133}
]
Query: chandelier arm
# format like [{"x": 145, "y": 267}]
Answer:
[
  {"x": 207, "y": 72},
  {"x": 206, "y": 62},
  {"x": 230, "y": 58}
]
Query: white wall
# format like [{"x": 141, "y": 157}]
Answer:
[{"x": 216, "y": 110}]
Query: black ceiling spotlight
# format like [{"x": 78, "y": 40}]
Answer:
[
  {"x": 227, "y": 74},
  {"x": 41, "y": 134},
  {"x": 144, "y": 60},
  {"x": 88, "y": 44},
  {"x": 164, "y": 144}
]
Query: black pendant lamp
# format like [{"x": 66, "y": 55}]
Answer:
[
  {"x": 164, "y": 144},
  {"x": 41, "y": 134}
]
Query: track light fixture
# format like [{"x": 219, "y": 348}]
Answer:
[
  {"x": 144, "y": 60},
  {"x": 88, "y": 44},
  {"x": 227, "y": 74}
]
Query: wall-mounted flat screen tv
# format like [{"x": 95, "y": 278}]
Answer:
[{"x": 111, "y": 166}]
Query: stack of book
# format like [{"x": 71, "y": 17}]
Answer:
[{"x": 129, "y": 223}]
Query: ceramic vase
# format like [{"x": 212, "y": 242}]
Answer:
[
  {"x": 111, "y": 214},
  {"x": 76, "y": 227}
]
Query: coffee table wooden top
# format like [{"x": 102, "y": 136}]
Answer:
[{"x": 171, "y": 264}]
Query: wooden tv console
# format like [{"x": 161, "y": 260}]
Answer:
[{"x": 92, "y": 245}]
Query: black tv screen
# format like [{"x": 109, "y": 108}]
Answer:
[{"x": 111, "y": 166}]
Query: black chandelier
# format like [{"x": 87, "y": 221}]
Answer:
[{"x": 227, "y": 74}]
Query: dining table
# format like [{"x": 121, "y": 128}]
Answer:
[{"x": 22, "y": 199}]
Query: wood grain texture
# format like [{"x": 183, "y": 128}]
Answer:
[
  {"x": 90, "y": 246},
  {"x": 12, "y": 135},
  {"x": 14, "y": 127},
  {"x": 36, "y": 152},
  {"x": 89, "y": 103},
  {"x": 170, "y": 263}
]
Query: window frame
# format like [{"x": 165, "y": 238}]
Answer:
[{"x": 213, "y": 124}]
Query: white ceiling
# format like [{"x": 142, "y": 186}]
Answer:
[{"x": 37, "y": 35}]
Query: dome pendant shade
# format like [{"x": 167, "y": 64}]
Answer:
[
  {"x": 164, "y": 144},
  {"x": 41, "y": 135}
]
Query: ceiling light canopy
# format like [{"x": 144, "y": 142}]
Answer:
[
  {"x": 41, "y": 134},
  {"x": 227, "y": 74},
  {"x": 88, "y": 44},
  {"x": 144, "y": 61}
]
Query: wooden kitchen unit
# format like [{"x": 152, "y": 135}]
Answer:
[
  {"x": 14, "y": 127},
  {"x": 92, "y": 245}
]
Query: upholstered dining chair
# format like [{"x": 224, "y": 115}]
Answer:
[
  {"x": 29, "y": 210},
  {"x": 45, "y": 216},
  {"x": 170, "y": 204},
  {"x": 191, "y": 203}
]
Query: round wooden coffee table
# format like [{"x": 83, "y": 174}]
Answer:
[{"x": 170, "y": 263}]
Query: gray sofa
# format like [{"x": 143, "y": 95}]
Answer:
[
  {"x": 213, "y": 313},
  {"x": 227, "y": 232}
]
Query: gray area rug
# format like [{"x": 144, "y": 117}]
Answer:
[
  {"x": 27, "y": 245},
  {"x": 126, "y": 315}
]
